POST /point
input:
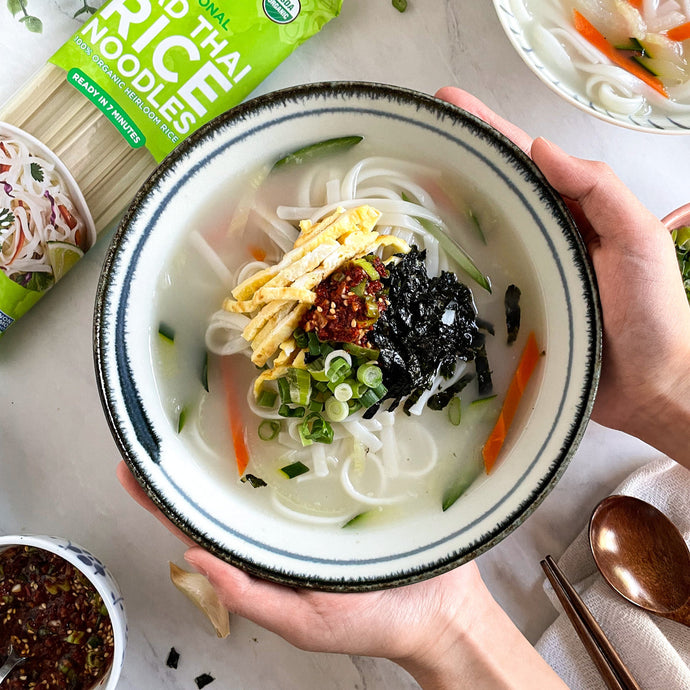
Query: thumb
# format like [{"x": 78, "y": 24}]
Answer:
[{"x": 614, "y": 212}]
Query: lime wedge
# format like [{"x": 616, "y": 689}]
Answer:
[{"x": 62, "y": 256}]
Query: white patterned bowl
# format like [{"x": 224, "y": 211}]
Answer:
[
  {"x": 102, "y": 580},
  {"x": 202, "y": 498},
  {"x": 520, "y": 28}
]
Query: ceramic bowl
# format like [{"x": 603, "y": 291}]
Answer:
[
  {"x": 202, "y": 496},
  {"x": 677, "y": 218},
  {"x": 102, "y": 580},
  {"x": 531, "y": 40},
  {"x": 38, "y": 148}
]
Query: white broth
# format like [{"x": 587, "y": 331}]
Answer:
[
  {"x": 644, "y": 68},
  {"x": 432, "y": 455}
]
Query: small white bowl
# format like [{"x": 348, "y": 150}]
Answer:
[
  {"x": 520, "y": 27},
  {"x": 677, "y": 218},
  {"x": 102, "y": 580},
  {"x": 199, "y": 494},
  {"x": 38, "y": 148}
]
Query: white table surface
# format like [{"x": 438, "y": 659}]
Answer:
[{"x": 58, "y": 457}]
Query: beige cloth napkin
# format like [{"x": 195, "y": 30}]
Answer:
[{"x": 655, "y": 649}]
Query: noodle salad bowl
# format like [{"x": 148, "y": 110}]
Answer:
[
  {"x": 310, "y": 346},
  {"x": 623, "y": 62}
]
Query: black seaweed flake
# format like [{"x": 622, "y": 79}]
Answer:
[
  {"x": 440, "y": 400},
  {"x": 512, "y": 307},
  {"x": 485, "y": 385},
  {"x": 173, "y": 658},
  {"x": 255, "y": 481},
  {"x": 429, "y": 324},
  {"x": 203, "y": 680}
]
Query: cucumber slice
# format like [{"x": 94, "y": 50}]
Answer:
[
  {"x": 320, "y": 148},
  {"x": 457, "y": 253}
]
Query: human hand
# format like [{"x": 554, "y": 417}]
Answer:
[
  {"x": 389, "y": 623},
  {"x": 446, "y": 631},
  {"x": 645, "y": 379}
]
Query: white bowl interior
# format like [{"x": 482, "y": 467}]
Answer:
[
  {"x": 200, "y": 494},
  {"x": 520, "y": 26},
  {"x": 39, "y": 148}
]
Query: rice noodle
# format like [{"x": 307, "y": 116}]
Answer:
[
  {"x": 301, "y": 516},
  {"x": 370, "y": 450},
  {"x": 224, "y": 333},
  {"x": 213, "y": 260},
  {"x": 608, "y": 86},
  {"x": 35, "y": 208},
  {"x": 366, "y": 499}
]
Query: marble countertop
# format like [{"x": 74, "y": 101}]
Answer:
[{"x": 58, "y": 457}]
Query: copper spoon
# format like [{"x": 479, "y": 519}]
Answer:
[
  {"x": 642, "y": 555},
  {"x": 12, "y": 660}
]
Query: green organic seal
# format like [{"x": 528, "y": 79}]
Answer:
[{"x": 282, "y": 11}]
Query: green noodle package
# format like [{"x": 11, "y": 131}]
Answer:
[{"x": 136, "y": 79}]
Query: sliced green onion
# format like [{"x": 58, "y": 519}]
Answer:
[
  {"x": 370, "y": 374},
  {"x": 316, "y": 428},
  {"x": 336, "y": 410},
  {"x": 316, "y": 364},
  {"x": 372, "y": 309},
  {"x": 367, "y": 268},
  {"x": 287, "y": 411},
  {"x": 269, "y": 429},
  {"x": 304, "y": 436},
  {"x": 300, "y": 385},
  {"x": 357, "y": 387},
  {"x": 338, "y": 370},
  {"x": 267, "y": 398},
  {"x": 359, "y": 289},
  {"x": 363, "y": 352},
  {"x": 354, "y": 405},
  {"x": 166, "y": 332},
  {"x": 372, "y": 395},
  {"x": 455, "y": 411},
  {"x": 181, "y": 419},
  {"x": 319, "y": 376},
  {"x": 342, "y": 392},
  {"x": 294, "y": 470},
  {"x": 315, "y": 406},
  {"x": 284, "y": 389},
  {"x": 301, "y": 338},
  {"x": 314, "y": 344}
]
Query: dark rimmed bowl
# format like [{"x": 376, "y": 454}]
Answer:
[{"x": 202, "y": 497}]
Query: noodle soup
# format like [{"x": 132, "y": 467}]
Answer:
[
  {"x": 398, "y": 458},
  {"x": 626, "y": 60},
  {"x": 347, "y": 493}
]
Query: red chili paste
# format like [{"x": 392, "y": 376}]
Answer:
[
  {"x": 348, "y": 303},
  {"x": 52, "y": 614}
]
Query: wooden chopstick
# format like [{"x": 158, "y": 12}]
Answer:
[{"x": 614, "y": 672}]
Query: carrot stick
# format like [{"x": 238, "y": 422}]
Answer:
[
  {"x": 20, "y": 244},
  {"x": 523, "y": 372},
  {"x": 598, "y": 40},
  {"x": 680, "y": 32},
  {"x": 235, "y": 417},
  {"x": 637, "y": 4},
  {"x": 258, "y": 254}
]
